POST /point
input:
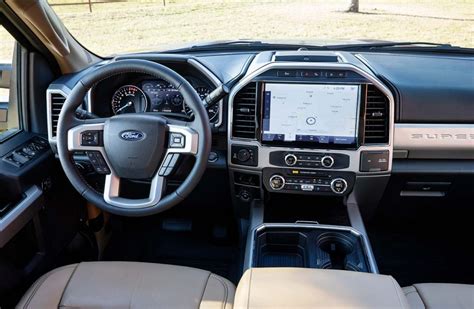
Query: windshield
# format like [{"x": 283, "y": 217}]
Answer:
[{"x": 115, "y": 27}]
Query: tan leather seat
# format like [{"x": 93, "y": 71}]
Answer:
[
  {"x": 440, "y": 295},
  {"x": 316, "y": 288},
  {"x": 129, "y": 285}
]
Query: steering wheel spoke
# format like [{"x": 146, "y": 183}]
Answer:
[
  {"x": 112, "y": 193},
  {"x": 88, "y": 137}
]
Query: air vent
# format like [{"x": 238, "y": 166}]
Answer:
[
  {"x": 376, "y": 117},
  {"x": 57, "y": 102},
  {"x": 245, "y": 102}
]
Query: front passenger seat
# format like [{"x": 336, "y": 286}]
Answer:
[{"x": 129, "y": 285}]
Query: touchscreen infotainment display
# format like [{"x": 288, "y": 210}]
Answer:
[{"x": 310, "y": 113}]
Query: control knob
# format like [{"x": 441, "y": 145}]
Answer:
[
  {"x": 277, "y": 182},
  {"x": 338, "y": 185},
  {"x": 243, "y": 155},
  {"x": 290, "y": 159},
  {"x": 327, "y": 161}
]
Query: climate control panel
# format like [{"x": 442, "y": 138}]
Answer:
[
  {"x": 309, "y": 160},
  {"x": 307, "y": 181}
]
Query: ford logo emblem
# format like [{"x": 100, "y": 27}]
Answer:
[{"x": 132, "y": 135}]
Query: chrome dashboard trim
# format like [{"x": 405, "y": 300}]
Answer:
[
  {"x": 264, "y": 150},
  {"x": 49, "y": 108},
  {"x": 435, "y": 141},
  {"x": 201, "y": 68}
]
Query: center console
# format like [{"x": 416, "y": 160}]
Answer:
[
  {"x": 318, "y": 124},
  {"x": 308, "y": 127}
]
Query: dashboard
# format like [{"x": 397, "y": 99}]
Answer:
[{"x": 312, "y": 123}]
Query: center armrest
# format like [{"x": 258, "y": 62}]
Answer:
[{"x": 313, "y": 288}]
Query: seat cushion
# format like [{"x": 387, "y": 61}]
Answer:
[
  {"x": 440, "y": 295},
  {"x": 129, "y": 285},
  {"x": 316, "y": 288}
]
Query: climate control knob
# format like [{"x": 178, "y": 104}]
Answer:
[
  {"x": 277, "y": 182},
  {"x": 327, "y": 161},
  {"x": 338, "y": 185},
  {"x": 290, "y": 159}
]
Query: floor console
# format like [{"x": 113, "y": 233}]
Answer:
[{"x": 311, "y": 246}]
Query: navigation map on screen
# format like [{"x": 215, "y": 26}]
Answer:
[{"x": 318, "y": 113}]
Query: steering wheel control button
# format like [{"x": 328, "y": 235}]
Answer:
[
  {"x": 91, "y": 138},
  {"x": 244, "y": 155},
  {"x": 98, "y": 162},
  {"x": 168, "y": 164},
  {"x": 177, "y": 140},
  {"x": 327, "y": 161},
  {"x": 290, "y": 159},
  {"x": 338, "y": 186},
  {"x": 277, "y": 182},
  {"x": 374, "y": 161}
]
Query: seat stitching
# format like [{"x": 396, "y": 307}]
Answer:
[
  {"x": 395, "y": 284},
  {"x": 226, "y": 290},
  {"x": 67, "y": 284},
  {"x": 204, "y": 290},
  {"x": 40, "y": 282}
]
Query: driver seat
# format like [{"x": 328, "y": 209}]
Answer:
[{"x": 128, "y": 285}]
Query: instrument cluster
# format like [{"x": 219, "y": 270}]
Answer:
[{"x": 158, "y": 96}]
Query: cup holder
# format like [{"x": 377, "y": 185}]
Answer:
[
  {"x": 336, "y": 248},
  {"x": 309, "y": 246}
]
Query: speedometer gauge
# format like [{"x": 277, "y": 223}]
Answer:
[{"x": 129, "y": 99}]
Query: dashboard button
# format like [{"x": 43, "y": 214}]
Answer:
[
  {"x": 374, "y": 161},
  {"x": 286, "y": 73}
]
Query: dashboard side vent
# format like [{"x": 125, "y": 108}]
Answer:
[
  {"x": 376, "y": 128},
  {"x": 244, "y": 112},
  {"x": 57, "y": 101}
]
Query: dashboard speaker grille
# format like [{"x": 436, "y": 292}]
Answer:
[
  {"x": 376, "y": 117},
  {"x": 57, "y": 102},
  {"x": 244, "y": 112}
]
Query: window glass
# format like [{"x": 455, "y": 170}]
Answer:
[
  {"x": 145, "y": 25},
  {"x": 9, "y": 118}
]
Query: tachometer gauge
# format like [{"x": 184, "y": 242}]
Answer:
[
  {"x": 203, "y": 92},
  {"x": 129, "y": 99}
]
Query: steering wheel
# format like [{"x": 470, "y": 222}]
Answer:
[{"x": 144, "y": 146}]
